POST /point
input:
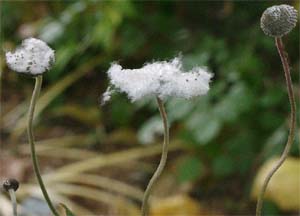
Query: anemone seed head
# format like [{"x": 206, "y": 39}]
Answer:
[
  {"x": 278, "y": 20},
  {"x": 32, "y": 57},
  {"x": 162, "y": 79}
]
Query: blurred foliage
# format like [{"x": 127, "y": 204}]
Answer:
[{"x": 230, "y": 132}]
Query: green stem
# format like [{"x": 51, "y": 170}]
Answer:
[
  {"x": 163, "y": 159},
  {"x": 286, "y": 68},
  {"x": 13, "y": 201},
  {"x": 35, "y": 95}
]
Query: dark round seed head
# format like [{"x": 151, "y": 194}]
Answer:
[
  {"x": 278, "y": 20},
  {"x": 11, "y": 184}
]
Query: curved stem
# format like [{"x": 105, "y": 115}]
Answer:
[
  {"x": 284, "y": 60},
  {"x": 13, "y": 201},
  {"x": 163, "y": 158},
  {"x": 35, "y": 95}
]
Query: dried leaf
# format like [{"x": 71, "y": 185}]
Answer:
[{"x": 283, "y": 186}]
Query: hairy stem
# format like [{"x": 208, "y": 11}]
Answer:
[
  {"x": 163, "y": 159},
  {"x": 13, "y": 201},
  {"x": 35, "y": 95},
  {"x": 286, "y": 68}
]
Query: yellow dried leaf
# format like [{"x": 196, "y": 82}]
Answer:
[
  {"x": 284, "y": 187},
  {"x": 176, "y": 205}
]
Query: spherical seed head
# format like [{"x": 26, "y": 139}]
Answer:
[
  {"x": 278, "y": 20},
  {"x": 11, "y": 184}
]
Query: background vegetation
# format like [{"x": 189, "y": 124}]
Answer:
[{"x": 98, "y": 159}]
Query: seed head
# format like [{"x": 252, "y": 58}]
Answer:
[
  {"x": 11, "y": 184},
  {"x": 278, "y": 20},
  {"x": 163, "y": 79},
  {"x": 32, "y": 57}
]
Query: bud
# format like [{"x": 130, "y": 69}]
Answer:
[
  {"x": 278, "y": 20},
  {"x": 11, "y": 184}
]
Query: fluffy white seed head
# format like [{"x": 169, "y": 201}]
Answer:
[
  {"x": 163, "y": 79},
  {"x": 32, "y": 57}
]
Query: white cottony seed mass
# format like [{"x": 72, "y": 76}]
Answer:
[
  {"x": 32, "y": 57},
  {"x": 162, "y": 79}
]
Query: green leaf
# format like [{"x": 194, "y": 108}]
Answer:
[
  {"x": 270, "y": 208},
  {"x": 190, "y": 169},
  {"x": 223, "y": 166},
  {"x": 238, "y": 100},
  {"x": 68, "y": 212},
  {"x": 150, "y": 129},
  {"x": 178, "y": 109},
  {"x": 204, "y": 126},
  {"x": 121, "y": 118}
]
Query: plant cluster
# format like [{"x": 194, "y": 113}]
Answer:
[{"x": 165, "y": 80}]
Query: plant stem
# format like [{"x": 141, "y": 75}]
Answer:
[
  {"x": 286, "y": 68},
  {"x": 13, "y": 201},
  {"x": 163, "y": 158},
  {"x": 35, "y": 95}
]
